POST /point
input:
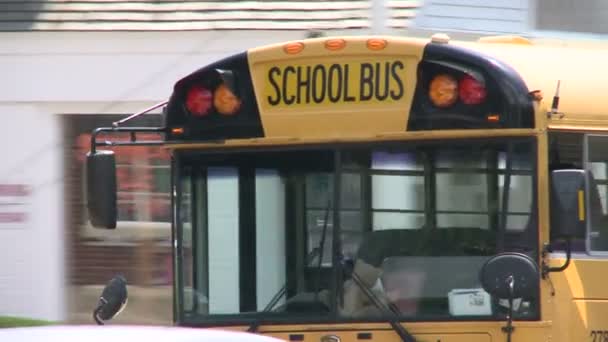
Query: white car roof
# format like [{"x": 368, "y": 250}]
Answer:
[{"x": 120, "y": 333}]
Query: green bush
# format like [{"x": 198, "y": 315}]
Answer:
[{"x": 11, "y": 322}]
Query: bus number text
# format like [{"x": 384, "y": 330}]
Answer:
[{"x": 599, "y": 336}]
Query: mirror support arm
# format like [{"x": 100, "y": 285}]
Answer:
[
  {"x": 133, "y": 139},
  {"x": 508, "y": 329},
  {"x": 546, "y": 269}
]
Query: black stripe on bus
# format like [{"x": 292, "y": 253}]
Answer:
[{"x": 245, "y": 123}]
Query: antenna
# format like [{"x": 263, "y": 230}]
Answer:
[
  {"x": 555, "y": 103},
  {"x": 115, "y": 124}
]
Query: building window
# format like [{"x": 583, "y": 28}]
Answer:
[{"x": 572, "y": 15}]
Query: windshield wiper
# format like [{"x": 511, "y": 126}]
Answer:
[
  {"x": 321, "y": 249},
  {"x": 310, "y": 257},
  {"x": 282, "y": 291},
  {"x": 390, "y": 311}
]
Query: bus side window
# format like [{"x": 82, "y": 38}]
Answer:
[
  {"x": 596, "y": 162},
  {"x": 565, "y": 153},
  {"x": 598, "y": 232}
]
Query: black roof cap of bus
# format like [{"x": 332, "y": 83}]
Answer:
[
  {"x": 245, "y": 123},
  {"x": 508, "y": 95}
]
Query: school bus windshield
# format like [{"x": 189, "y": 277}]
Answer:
[{"x": 271, "y": 235}]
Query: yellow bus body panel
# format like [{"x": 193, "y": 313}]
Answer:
[
  {"x": 580, "y": 70},
  {"x": 580, "y": 304}
]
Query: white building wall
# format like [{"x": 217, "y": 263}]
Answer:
[{"x": 31, "y": 214}]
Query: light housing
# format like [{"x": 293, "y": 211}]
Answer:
[
  {"x": 234, "y": 73},
  {"x": 504, "y": 102},
  {"x": 215, "y": 93}
]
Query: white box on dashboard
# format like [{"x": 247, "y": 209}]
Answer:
[{"x": 469, "y": 302}]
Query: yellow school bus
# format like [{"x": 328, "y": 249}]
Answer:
[{"x": 386, "y": 189}]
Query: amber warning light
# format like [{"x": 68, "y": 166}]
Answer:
[
  {"x": 225, "y": 101},
  {"x": 443, "y": 91}
]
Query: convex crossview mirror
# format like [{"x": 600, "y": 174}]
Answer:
[
  {"x": 112, "y": 301},
  {"x": 510, "y": 276}
]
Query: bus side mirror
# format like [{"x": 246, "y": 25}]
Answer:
[
  {"x": 568, "y": 204},
  {"x": 510, "y": 276},
  {"x": 101, "y": 189}
]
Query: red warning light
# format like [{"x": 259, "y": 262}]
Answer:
[
  {"x": 472, "y": 92},
  {"x": 199, "y": 100}
]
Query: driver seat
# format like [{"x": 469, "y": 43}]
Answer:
[{"x": 383, "y": 244}]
